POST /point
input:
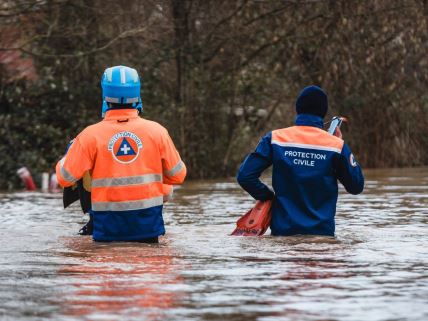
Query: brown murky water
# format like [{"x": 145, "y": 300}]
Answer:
[{"x": 376, "y": 268}]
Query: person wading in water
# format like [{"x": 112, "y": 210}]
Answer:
[
  {"x": 130, "y": 159},
  {"x": 306, "y": 164}
]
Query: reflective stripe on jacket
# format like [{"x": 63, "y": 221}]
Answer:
[
  {"x": 130, "y": 160},
  {"x": 307, "y": 162}
]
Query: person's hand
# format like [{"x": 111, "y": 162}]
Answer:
[{"x": 338, "y": 132}]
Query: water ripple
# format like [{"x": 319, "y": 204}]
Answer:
[{"x": 375, "y": 269}]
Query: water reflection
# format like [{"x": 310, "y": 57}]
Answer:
[
  {"x": 375, "y": 269},
  {"x": 119, "y": 278}
]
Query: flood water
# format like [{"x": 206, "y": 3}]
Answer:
[{"x": 375, "y": 269}]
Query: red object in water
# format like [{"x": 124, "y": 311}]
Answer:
[
  {"x": 26, "y": 178},
  {"x": 256, "y": 221}
]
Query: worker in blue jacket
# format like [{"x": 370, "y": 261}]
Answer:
[{"x": 307, "y": 163}]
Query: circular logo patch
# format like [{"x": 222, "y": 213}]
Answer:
[
  {"x": 352, "y": 160},
  {"x": 125, "y": 147}
]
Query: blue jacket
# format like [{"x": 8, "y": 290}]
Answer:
[{"x": 307, "y": 162}]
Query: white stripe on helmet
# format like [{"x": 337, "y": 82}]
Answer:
[
  {"x": 109, "y": 74},
  {"x": 122, "y": 76},
  {"x": 133, "y": 74}
]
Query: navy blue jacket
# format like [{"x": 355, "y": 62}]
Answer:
[{"x": 307, "y": 162}]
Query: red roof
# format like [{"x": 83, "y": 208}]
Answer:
[{"x": 16, "y": 66}]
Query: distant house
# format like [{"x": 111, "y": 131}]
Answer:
[{"x": 12, "y": 61}]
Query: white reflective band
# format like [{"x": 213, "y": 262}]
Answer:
[
  {"x": 131, "y": 100},
  {"x": 134, "y": 74},
  {"x": 175, "y": 169},
  {"x": 127, "y": 205},
  {"x": 111, "y": 99},
  {"x": 307, "y": 146},
  {"x": 125, "y": 181},
  {"x": 65, "y": 174},
  {"x": 109, "y": 74},
  {"x": 122, "y": 76}
]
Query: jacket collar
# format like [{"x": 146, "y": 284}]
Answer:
[
  {"x": 115, "y": 114},
  {"x": 309, "y": 120}
]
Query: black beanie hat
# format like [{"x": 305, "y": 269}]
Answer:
[{"x": 312, "y": 100}]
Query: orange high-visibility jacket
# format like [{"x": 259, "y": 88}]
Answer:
[{"x": 129, "y": 159}]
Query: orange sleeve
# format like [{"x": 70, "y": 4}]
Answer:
[
  {"x": 167, "y": 191},
  {"x": 174, "y": 170},
  {"x": 74, "y": 164}
]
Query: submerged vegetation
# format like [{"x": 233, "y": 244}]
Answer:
[{"x": 218, "y": 74}]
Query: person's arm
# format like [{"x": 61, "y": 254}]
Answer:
[
  {"x": 253, "y": 166},
  {"x": 74, "y": 164},
  {"x": 174, "y": 170},
  {"x": 349, "y": 172},
  {"x": 167, "y": 191}
]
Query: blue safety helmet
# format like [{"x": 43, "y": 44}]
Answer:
[{"x": 121, "y": 85}]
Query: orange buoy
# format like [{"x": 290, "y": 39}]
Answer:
[{"x": 256, "y": 221}]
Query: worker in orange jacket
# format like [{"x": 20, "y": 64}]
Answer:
[{"x": 129, "y": 159}]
